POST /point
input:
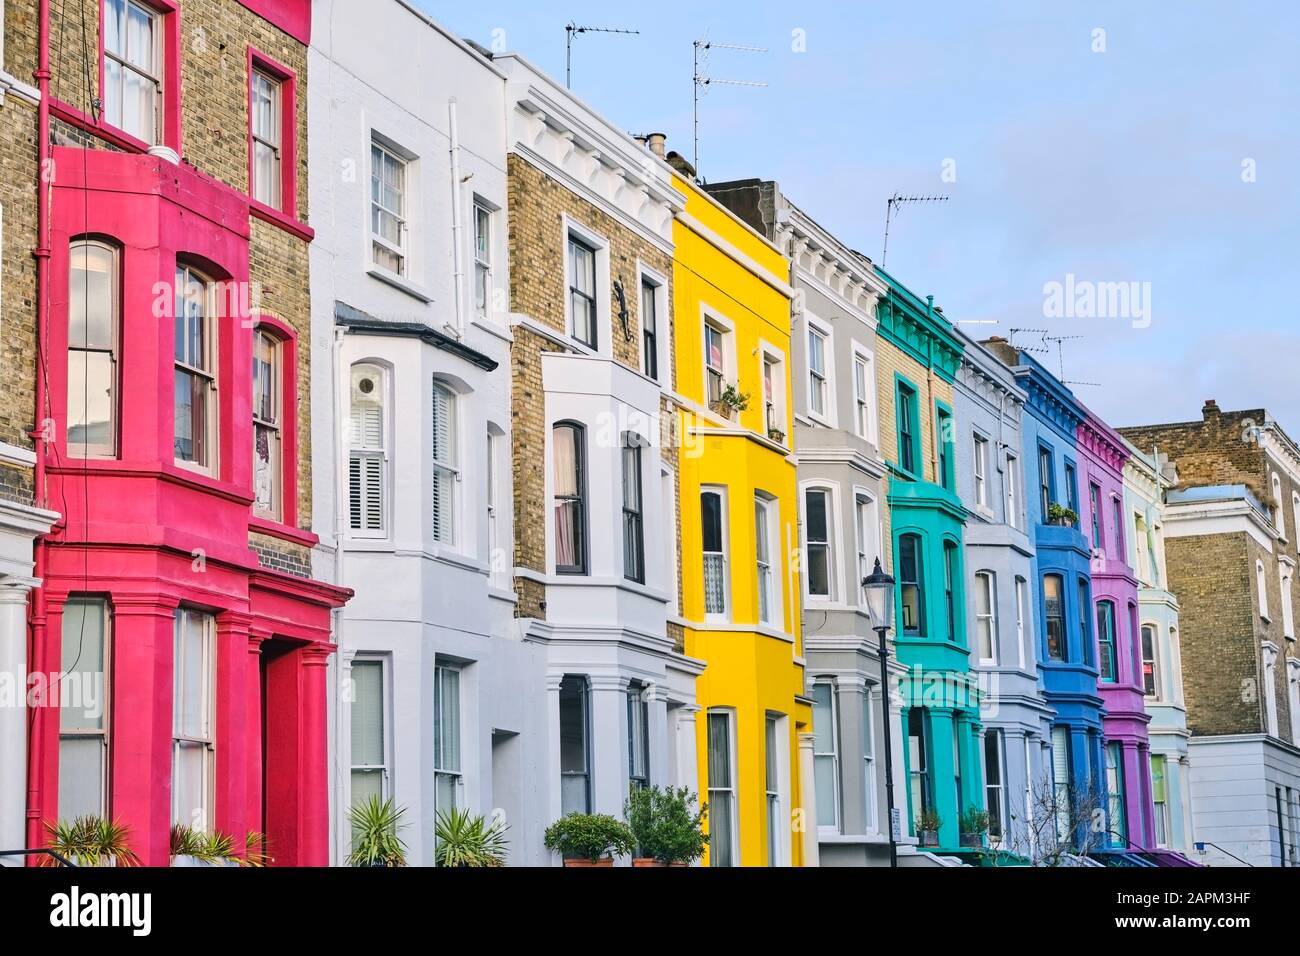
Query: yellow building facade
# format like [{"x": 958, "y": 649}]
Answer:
[{"x": 739, "y": 533}]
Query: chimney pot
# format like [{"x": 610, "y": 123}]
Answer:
[
  {"x": 656, "y": 143},
  {"x": 1210, "y": 409}
]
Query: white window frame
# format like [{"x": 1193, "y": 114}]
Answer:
[
  {"x": 445, "y": 471},
  {"x": 274, "y": 425},
  {"x": 728, "y": 372},
  {"x": 599, "y": 246},
  {"x": 865, "y": 423},
  {"x": 455, "y": 775},
  {"x": 483, "y": 255},
  {"x": 1157, "y": 687},
  {"x": 987, "y": 582},
  {"x": 825, "y": 379},
  {"x": 499, "y": 556},
  {"x": 1022, "y": 589},
  {"x": 206, "y": 740},
  {"x": 1000, "y": 785},
  {"x": 723, "y": 504},
  {"x": 1011, "y": 480},
  {"x": 668, "y": 490},
  {"x": 832, "y": 756},
  {"x": 74, "y": 730},
  {"x": 360, "y": 451},
  {"x": 980, "y": 459},
  {"x": 405, "y": 163},
  {"x": 122, "y": 59},
  {"x": 778, "y": 414},
  {"x": 765, "y": 509},
  {"x": 870, "y": 538},
  {"x": 869, "y": 761},
  {"x": 584, "y": 693},
  {"x": 830, "y": 544},
  {"x": 732, "y": 789},
  {"x": 385, "y": 767}
]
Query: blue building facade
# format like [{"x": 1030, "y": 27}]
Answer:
[
  {"x": 1001, "y": 623},
  {"x": 1062, "y": 589}
]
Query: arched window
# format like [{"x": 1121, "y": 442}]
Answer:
[
  {"x": 1109, "y": 664},
  {"x": 94, "y": 298},
  {"x": 911, "y": 584},
  {"x": 986, "y": 616},
  {"x": 568, "y": 451},
  {"x": 367, "y": 453},
  {"x": 194, "y": 404},
  {"x": 445, "y": 473},
  {"x": 818, "y": 521}
]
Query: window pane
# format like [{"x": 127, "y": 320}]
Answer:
[
  {"x": 81, "y": 693},
  {"x": 92, "y": 297},
  {"x": 81, "y": 777},
  {"x": 573, "y": 725},
  {"x": 140, "y": 39},
  {"x": 366, "y": 784},
  {"x": 1053, "y": 602},
  {"x": 188, "y": 784},
  {"x": 711, "y": 517},
  {"x": 367, "y": 714},
  {"x": 719, "y": 751},
  {"x": 91, "y": 378},
  {"x": 447, "y": 714}
]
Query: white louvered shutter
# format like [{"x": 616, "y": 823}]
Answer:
[
  {"x": 444, "y": 461},
  {"x": 366, "y": 469}
]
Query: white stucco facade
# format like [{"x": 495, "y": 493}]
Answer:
[{"x": 411, "y": 413}]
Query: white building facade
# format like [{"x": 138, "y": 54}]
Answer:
[{"x": 439, "y": 700}]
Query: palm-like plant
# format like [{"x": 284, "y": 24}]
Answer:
[
  {"x": 258, "y": 852},
  {"x": 91, "y": 841},
  {"x": 466, "y": 840},
  {"x": 374, "y": 834}
]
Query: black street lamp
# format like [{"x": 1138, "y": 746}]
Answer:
[{"x": 879, "y": 588}]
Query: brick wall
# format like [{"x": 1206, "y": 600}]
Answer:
[{"x": 538, "y": 289}]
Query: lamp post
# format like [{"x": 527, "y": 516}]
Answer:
[{"x": 879, "y": 588}]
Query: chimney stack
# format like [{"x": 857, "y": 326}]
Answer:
[
  {"x": 1210, "y": 409},
  {"x": 656, "y": 143}
]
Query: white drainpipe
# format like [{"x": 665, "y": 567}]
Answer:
[{"x": 457, "y": 252}]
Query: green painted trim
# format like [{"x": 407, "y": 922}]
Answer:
[{"x": 912, "y": 324}]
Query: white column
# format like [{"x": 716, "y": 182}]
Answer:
[
  {"x": 688, "y": 768},
  {"x": 609, "y": 744},
  {"x": 808, "y": 799},
  {"x": 661, "y": 773},
  {"x": 13, "y": 717}
]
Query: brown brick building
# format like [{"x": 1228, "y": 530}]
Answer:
[{"x": 1233, "y": 543}]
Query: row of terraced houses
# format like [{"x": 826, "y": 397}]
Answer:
[{"x": 379, "y": 419}]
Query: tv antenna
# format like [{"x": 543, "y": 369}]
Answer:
[
  {"x": 1060, "y": 354},
  {"x": 1040, "y": 349},
  {"x": 570, "y": 30},
  {"x": 703, "y": 81},
  {"x": 897, "y": 202}
]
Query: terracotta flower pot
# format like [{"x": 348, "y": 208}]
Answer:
[
  {"x": 607, "y": 861},
  {"x": 646, "y": 861}
]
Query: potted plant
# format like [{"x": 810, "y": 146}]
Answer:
[
  {"x": 90, "y": 841},
  {"x": 257, "y": 850},
  {"x": 666, "y": 826},
  {"x": 776, "y": 435},
  {"x": 927, "y": 827},
  {"x": 374, "y": 834},
  {"x": 1058, "y": 514},
  {"x": 589, "y": 839},
  {"x": 973, "y": 823},
  {"x": 731, "y": 401},
  {"x": 191, "y": 847},
  {"x": 464, "y": 840}
]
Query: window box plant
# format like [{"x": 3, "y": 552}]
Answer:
[
  {"x": 666, "y": 826},
  {"x": 730, "y": 402},
  {"x": 927, "y": 827},
  {"x": 776, "y": 435},
  {"x": 589, "y": 839},
  {"x": 1059, "y": 514},
  {"x": 374, "y": 834},
  {"x": 90, "y": 841},
  {"x": 466, "y": 841},
  {"x": 192, "y": 847},
  {"x": 974, "y": 824}
]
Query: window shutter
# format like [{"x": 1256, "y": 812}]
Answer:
[
  {"x": 443, "y": 463},
  {"x": 1060, "y": 756},
  {"x": 374, "y": 494}
]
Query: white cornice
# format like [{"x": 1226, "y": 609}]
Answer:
[
  {"x": 1185, "y": 519},
  {"x": 873, "y": 467}
]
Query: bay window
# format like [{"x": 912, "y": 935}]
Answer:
[
  {"x": 194, "y": 403},
  {"x": 994, "y": 784},
  {"x": 1150, "y": 664},
  {"x": 763, "y": 559},
  {"x": 1054, "y": 608},
  {"x": 94, "y": 324},
  {"x": 1159, "y": 797},
  {"x": 817, "y": 542},
  {"x": 369, "y": 767},
  {"x": 1013, "y": 493},
  {"x": 367, "y": 453},
  {"x": 1117, "y": 818},
  {"x": 445, "y": 471},
  {"x": 568, "y": 448},
  {"x": 772, "y": 788},
  {"x": 950, "y": 578},
  {"x": 446, "y": 737},
  {"x": 986, "y": 621},
  {"x": 826, "y": 754},
  {"x": 193, "y": 740},
  {"x": 911, "y": 584},
  {"x": 713, "y": 527},
  {"x": 633, "y": 511},
  {"x": 722, "y": 789},
  {"x": 1085, "y": 632},
  {"x": 638, "y": 737},
  {"x": 918, "y": 774},
  {"x": 575, "y": 748},
  {"x": 1109, "y": 663}
]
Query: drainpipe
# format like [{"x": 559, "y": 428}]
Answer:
[
  {"x": 35, "y": 753},
  {"x": 340, "y": 530},
  {"x": 457, "y": 252},
  {"x": 929, "y": 390}
]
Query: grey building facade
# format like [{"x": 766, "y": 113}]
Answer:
[
  {"x": 842, "y": 518},
  {"x": 989, "y": 407}
]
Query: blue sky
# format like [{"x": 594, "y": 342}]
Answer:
[{"x": 1117, "y": 166}]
